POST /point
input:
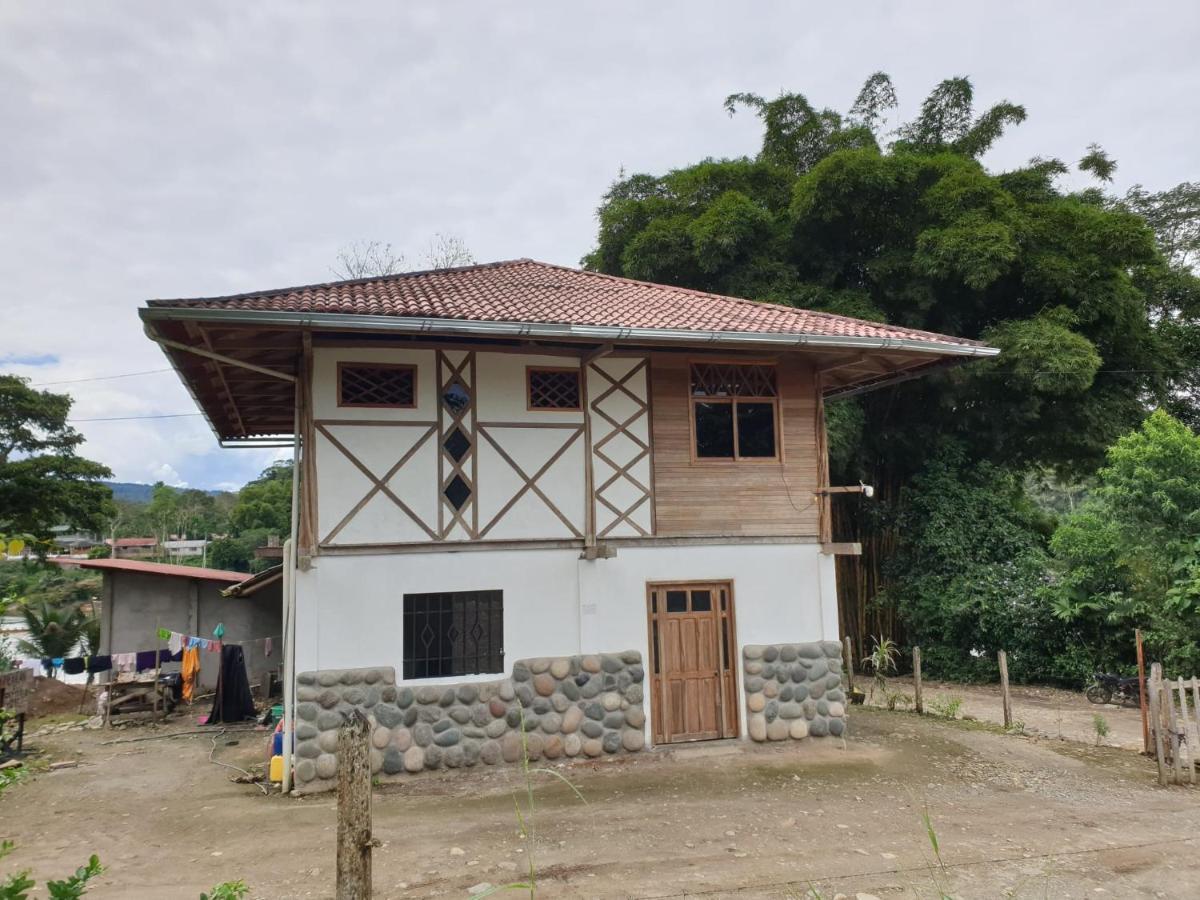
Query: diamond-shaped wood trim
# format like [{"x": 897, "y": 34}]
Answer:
[
  {"x": 634, "y": 387},
  {"x": 552, "y": 388},
  {"x": 732, "y": 380}
]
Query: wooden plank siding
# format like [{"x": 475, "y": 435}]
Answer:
[{"x": 744, "y": 498}]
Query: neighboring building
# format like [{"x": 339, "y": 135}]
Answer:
[
  {"x": 520, "y": 461},
  {"x": 133, "y": 547},
  {"x": 73, "y": 544},
  {"x": 184, "y": 549},
  {"x": 140, "y": 597}
]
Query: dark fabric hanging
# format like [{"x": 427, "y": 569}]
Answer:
[{"x": 233, "y": 701}]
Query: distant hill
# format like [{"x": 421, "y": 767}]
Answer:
[{"x": 133, "y": 492}]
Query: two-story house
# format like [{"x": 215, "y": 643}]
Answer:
[{"x": 601, "y": 501}]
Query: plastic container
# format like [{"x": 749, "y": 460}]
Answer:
[
  {"x": 277, "y": 711},
  {"x": 277, "y": 743},
  {"x": 277, "y": 768}
]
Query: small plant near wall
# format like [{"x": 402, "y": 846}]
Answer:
[
  {"x": 1100, "y": 726},
  {"x": 18, "y": 885},
  {"x": 882, "y": 660}
]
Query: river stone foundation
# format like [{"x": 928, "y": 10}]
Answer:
[
  {"x": 569, "y": 706},
  {"x": 793, "y": 691}
]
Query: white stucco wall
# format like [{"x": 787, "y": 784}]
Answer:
[{"x": 349, "y": 608}]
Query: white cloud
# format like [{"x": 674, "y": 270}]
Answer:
[
  {"x": 153, "y": 151},
  {"x": 167, "y": 475}
]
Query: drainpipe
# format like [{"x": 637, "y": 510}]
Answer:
[{"x": 289, "y": 606}]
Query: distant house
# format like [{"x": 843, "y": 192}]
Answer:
[
  {"x": 184, "y": 549},
  {"x": 524, "y": 480},
  {"x": 140, "y": 597},
  {"x": 133, "y": 547}
]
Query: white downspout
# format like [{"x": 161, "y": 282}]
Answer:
[{"x": 289, "y": 606}]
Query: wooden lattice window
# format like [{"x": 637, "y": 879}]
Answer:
[
  {"x": 552, "y": 388},
  {"x": 453, "y": 633},
  {"x": 735, "y": 411},
  {"x": 377, "y": 385}
]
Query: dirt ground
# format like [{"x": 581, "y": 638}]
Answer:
[
  {"x": 1014, "y": 816},
  {"x": 1044, "y": 711},
  {"x": 52, "y": 697}
]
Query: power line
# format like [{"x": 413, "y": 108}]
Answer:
[
  {"x": 102, "y": 377},
  {"x": 131, "y": 418}
]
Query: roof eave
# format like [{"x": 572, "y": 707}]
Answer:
[{"x": 552, "y": 331}]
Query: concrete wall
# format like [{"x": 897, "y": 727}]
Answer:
[
  {"x": 349, "y": 608},
  {"x": 135, "y": 604}
]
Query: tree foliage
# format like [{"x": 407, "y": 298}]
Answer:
[
  {"x": 43, "y": 482},
  {"x": 908, "y": 227}
]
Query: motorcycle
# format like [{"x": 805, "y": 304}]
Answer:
[{"x": 1107, "y": 688}]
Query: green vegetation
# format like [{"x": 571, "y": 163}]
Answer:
[
  {"x": 992, "y": 525},
  {"x": 43, "y": 483},
  {"x": 18, "y": 885}
]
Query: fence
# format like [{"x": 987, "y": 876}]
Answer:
[
  {"x": 16, "y": 686},
  {"x": 1174, "y": 726}
]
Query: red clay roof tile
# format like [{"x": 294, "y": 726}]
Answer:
[{"x": 533, "y": 292}]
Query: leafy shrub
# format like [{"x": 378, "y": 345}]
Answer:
[{"x": 946, "y": 707}]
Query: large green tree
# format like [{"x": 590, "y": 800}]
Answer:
[
  {"x": 832, "y": 216},
  {"x": 43, "y": 481}
]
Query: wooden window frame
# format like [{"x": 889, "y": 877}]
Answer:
[
  {"x": 576, "y": 370},
  {"x": 776, "y": 402},
  {"x": 373, "y": 365}
]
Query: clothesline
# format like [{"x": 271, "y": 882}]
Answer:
[{"x": 140, "y": 660}]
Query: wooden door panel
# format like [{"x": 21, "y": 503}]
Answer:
[{"x": 692, "y": 686}]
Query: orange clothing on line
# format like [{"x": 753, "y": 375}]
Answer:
[{"x": 190, "y": 670}]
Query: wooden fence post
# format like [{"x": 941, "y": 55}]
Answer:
[
  {"x": 849, "y": 662},
  {"x": 354, "y": 809},
  {"x": 1141, "y": 664},
  {"x": 1156, "y": 719},
  {"x": 1002, "y": 658},
  {"x": 918, "y": 703}
]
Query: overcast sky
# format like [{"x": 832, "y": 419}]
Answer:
[{"x": 163, "y": 149}]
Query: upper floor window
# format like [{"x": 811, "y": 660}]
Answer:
[
  {"x": 377, "y": 385},
  {"x": 552, "y": 388},
  {"x": 453, "y": 633},
  {"x": 735, "y": 411}
]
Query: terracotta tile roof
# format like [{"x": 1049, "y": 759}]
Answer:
[
  {"x": 533, "y": 292},
  {"x": 151, "y": 568}
]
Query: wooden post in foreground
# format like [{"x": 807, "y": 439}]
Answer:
[
  {"x": 1141, "y": 661},
  {"x": 354, "y": 809},
  {"x": 848, "y": 652},
  {"x": 1156, "y": 716},
  {"x": 1002, "y": 658},
  {"x": 918, "y": 703}
]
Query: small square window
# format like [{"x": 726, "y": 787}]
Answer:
[
  {"x": 553, "y": 388},
  {"x": 453, "y": 633},
  {"x": 376, "y": 385},
  {"x": 735, "y": 411}
]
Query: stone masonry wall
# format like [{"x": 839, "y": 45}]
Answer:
[
  {"x": 794, "y": 691},
  {"x": 588, "y": 705}
]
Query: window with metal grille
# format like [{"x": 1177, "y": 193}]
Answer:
[
  {"x": 553, "y": 388},
  {"x": 735, "y": 411},
  {"x": 453, "y": 633},
  {"x": 376, "y": 385}
]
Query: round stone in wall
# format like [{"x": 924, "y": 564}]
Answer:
[
  {"x": 433, "y": 757},
  {"x": 306, "y": 770},
  {"x": 533, "y": 746},
  {"x": 552, "y": 748},
  {"x": 387, "y": 715},
  {"x": 592, "y": 728},
  {"x": 560, "y": 668},
  {"x": 422, "y": 734},
  {"x": 770, "y": 653},
  {"x": 752, "y": 651},
  {"x": 572, "y": 745},
  {"x": 506, "y": 692},
  {"x": 544, "y": 684},
  {"x": 758, "y": 727},
  {"x": 402, "y": 739},
  {"x": 376, "y": 759},
  {"x": 611, "y": 701},
  {"x": 381, "y": 737},
  {"x": 798, "y": 729},
  {"x": 454, "y": 757},
  {"x": 635, "y": 717},
  {"x": 551, "y": 722},
  {"x": 326, "y": 765},
  {"x": 777, "y": 730},
  {"x": 756, "y": 702},
  {"x": 352, "y": 676},
  {"x": 837, "y": 710},
  {"x": 510, "y": 747},
  {"x": 788, "y": 652},
  {"x": 539, "y": 665},
  {"x": 490, "y": 753},
  {"x": 633, "y": 740},
  {"x": 837, "y": 726},
  {"x": 818, "y": 727},
  {"x": 460, "y": 714},
  {"x": 414, "y": 759},
  {"x": 592, "y": 747},
  {"x": 467, "y": 694},
  {"x": 559, "y": 703}
]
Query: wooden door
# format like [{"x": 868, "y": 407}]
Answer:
[{"x": 692, "y": 650}]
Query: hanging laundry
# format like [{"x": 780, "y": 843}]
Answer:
[
  {"x": 124, "y": 662},
  {"x": 32, "y": 664},
  {"x": 190, "y": 671},
  {"x": 193, "y": 643},
  {"x": 146, "y": 659},
  {"x": 57, "y": 662},
  {"x": 175, "y": 642},
  {"x": 73, "y": 666},
  {"x": 219, "y": 631},
  {"x": 164, "y": 634},
  {"x": 99, "y": 664},
  {"x": 165, "y": 656}
]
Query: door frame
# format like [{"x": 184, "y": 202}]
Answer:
[{"x": 730, "y": 715}]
